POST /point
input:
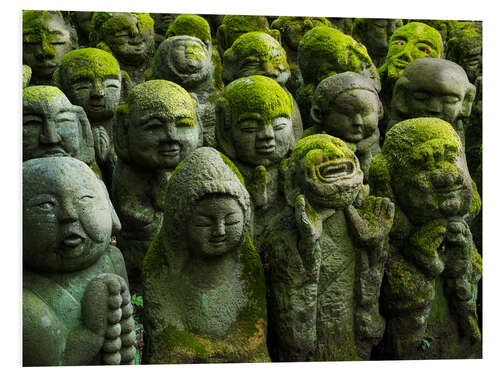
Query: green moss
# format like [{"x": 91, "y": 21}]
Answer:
[
  {"x": 90, "y": 63},
  {"x": 233, "y": 167},
  {"x": 107, "y": 23},
  {"x": 26, "y": 75},
  {"x": 282, "y": 23},
  {"x": 154, "y": 255},
  {"x": 192, "y": 25},
  {"x": 37, "y": 94},
  {"x": 35, "y": 28},
  {"x": 184, "y": 343},
  {"x": 95, "y": 168},
  {"x": 237, "y": 25},
  {"x": 427, "y": 244},
  {"x": 465, "y": 41}
]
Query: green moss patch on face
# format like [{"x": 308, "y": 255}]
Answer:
[
  {"x": 39, "y": 94},
  {"x": 258, "y": 94},
  {"x": 192, "y": 25},
  {"x": 89, "y": 63}
]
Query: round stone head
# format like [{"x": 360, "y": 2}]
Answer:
[
  {"x": 293, "y": 29},
  {"x": 157, "y": 127},
  {"x": 191, "y": 25},
  {"x": 92, "y": 79},
  {"x": 52, "y": 126},
  {"x": 466, "y": 49},
  {"x": 68, "y": 218},
  {"x": 408, "y": 43},
  {"x": 254, "y": 121},
  {"x": 46, "y": 39},
  {"x": 428, "y": 178},
  {"x": 325, "y": 170},
  {"x": 347, "y": 106},
  {"x": 256, "y": 53},
  {"x": 433, "y": 88},
  {"x": 325, "y": 51}
]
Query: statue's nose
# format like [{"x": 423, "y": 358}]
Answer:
[
  {"x": 45, "y": 50},
  {"x": 97, "y": 90},
  {"x": 266, "y": 133},
  {"x": 49, "y": 133}
]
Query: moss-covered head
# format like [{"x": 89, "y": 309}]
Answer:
[
  {"x": 192, "y": 25},
  {"x": 292, "y": 29},
  {"x": 465, "y": 49}
]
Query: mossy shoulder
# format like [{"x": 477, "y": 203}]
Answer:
[
  {"x": 192, "y": 25},
  {"x": 90, "y": 62},
  {"x": 37, "y": 94}
]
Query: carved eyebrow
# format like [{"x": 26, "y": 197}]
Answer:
[
  {"x": 250, "y": 116},
  {"x": 56, "y": 32},
  {"x": 400, "y": 37},
  {"x": 426, "y": 42}
]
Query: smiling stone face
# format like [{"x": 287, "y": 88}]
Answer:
[{"x": 67, "y": 219}]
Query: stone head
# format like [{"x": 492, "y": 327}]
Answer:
[
  {"x": 256, "y": 53},
  {"x": 46, "y": 39},
  {"x": 68, "y": 218},
  {"x": 292, "y": 29},
  {"x": 157, "y": 127},
  {"x": 325, "y": 170},
  {"x": 254, "y": 121},
  {"x": 409, "y": 43},
  {"x": 163, "y": 21},
  {"x": 128, "y": 36},
  {"x": 423, "y": 171},
  {"x": 185, "y": 60},
  {"x": 92, "y": 79},
  {"x": 466, "y": 49},
  {"x": 52, "y": 126},
  {"x": 347, "y": 106},
  {"x": 375, "y": 33},
  {"x": 191, "y": 25},
  {"x": 433, "y": 88},
  {"x": 82, "y": 21},
  {"x": 325, "y": 51}
]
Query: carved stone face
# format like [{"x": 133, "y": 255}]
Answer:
[
  {"x": 67, "y": 218},
  {"x": 409, "y": 43},
  {"x": 297, "y": 27},
  {"x": 466, "y": 49},
  {"x": 46, "y": 39},
  {"x": 188, "y": 56},
  {"x": 163, "y": 21},
  {"x": 216, "y": 226}
]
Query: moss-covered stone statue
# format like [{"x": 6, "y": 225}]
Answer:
[
  {"x": 375, "y": 34},
  {"x": 254, "y": 129},
  {"x": 129, "y": 37},
  {"x": 153, "y": 132},
  {"x": 52, "y": 126},
  {"x": 26, "y": 75},
  {"x": 91, "y": 78},
  {"x": 82, "y": 22},
  {"x": 47, "y": 37},
  {"x": 342, "y": 24},
  {"x": 430, "y": 285},
  {"x": 347, "y": 106},
  {"x": 325, "y": 257},
  {"x": 325, "y": 51},
  {"x": 292, "y": 30},
  {"x": 76, "y": 302},
  {"x": 204, "y": 293},
  {"x": 257, "y": 53},
  {"x": 162, "y": 22},
  {"x": 186, "y": 61}
]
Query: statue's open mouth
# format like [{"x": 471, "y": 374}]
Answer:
[
  {"x": 170, "y": 150},
  {"x": 449, "y": 190},
  {"x": 72, "y": 246},
  {"x": 399, "y": 63},
  {"x": 334, "y": 170},
  {"x": 266, "y": 149}
]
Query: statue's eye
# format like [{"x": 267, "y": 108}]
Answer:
[
  {"x": 185, "y": 123},
  {"x": 202, "y": 221},
  {"x": 46, "y": 206},
  {"x": 400, "y": 42},
  {"x": 82, "y": 86},
  {"x": 112, "y": 85},
  {"x": 86, "y": 198},
  {"x": 232, "y": 219},
  {"x": 424, "y": 49},
  {"x": 451, "y": 99},
  {"x": 248, "y": 126},
  {"x": 420, "y": 95},
  {"x": 57, "y": 43}
]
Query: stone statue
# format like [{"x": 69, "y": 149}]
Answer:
[
  {"x": 81, "y": 21},
  {"x": 257, "y": 53},
  {"x": 153, "y": 132},
  {"x": 162, "y": 22},
  {"x": 46, "y": 39},
  {"x": 186, "y": 61},
  {"x": 204, "y": 288},
  {"x": 76, "y": 301},
  {"x": 26, "y": 75},
  {"x": 325, "y": 257},
  {"x": 292, "y": 30},
  {"x": 91, "y": 78},
  {"x": 52, "y": 126},
  {"x": 129, "y": 37},
  {"x": 325, "y": 51},
  {"x": 375, "y": 34},
  {"x": 347, "y": 106},
  {"x": 254, "y": 129},
  {"x": 430, "y": 284},
  {"x": 342, "y": 24}
]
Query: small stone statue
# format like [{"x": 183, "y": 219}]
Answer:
[
  {"x": 344, "y": 25},
  {"x": 26, "y": 75},
  {"x": 430, "y": 285},
  {"x": 325, "y": 51},
  {"x": 347, "y": 106},
  {"x": 46, "y": 39},
  {"x": 82, "y": 21},
  {"x": 204, "y": 288},
  {"x": 186, "y": 61},
  {"x": 52, "y": 126},
  {"x": 129, "y": 37},
  {"x": 153, "y": 132},
  {"x": 375, "y": 34},
  {"x": 325, "y": 257},
  {"x": 254, "y": 129},
  {"x": 76, "y": 301},
  {"x": 162, "y": 22},
  {"x": 91, "y": 78}
]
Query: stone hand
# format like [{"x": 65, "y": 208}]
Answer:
[
  {"x": 458, "y": 245},
  {"x": 102, "y": 143}
]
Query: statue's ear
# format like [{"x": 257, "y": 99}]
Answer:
[
  {"x": 275, "y": 34},
  {"x": 87, "y": 153},
  {"x": 223, "y": 125},
  {"x": 120, "y": 132},
  {"x": 116, "y": 225},
  {"x": 470, "y": 95},
  {"x": 316, "y": 114},
  {"x": 291, "y": 187}
]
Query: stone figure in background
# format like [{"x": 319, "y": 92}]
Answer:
[
  {"x": 91, "y": 78},
  {"x": 347, "y": 106},
  {"x": 81, "y": 21},
  {"x": 430, "y": 285},
  {"x": 254, "y": 129},
  {"x": 325, "y": 257},
  {"x": 292, "y": 30},
  {"x": 186, "y": 61},
  {"x": 129, "y": 37},
  {"x": 76, "y": 301},
  {"x": 52, "y": 126},
  {"x": 257, "y": 53},
  {"x": 26, "y": 75},
  {"x": 344, "y": 25},
  {"x": 204, "y": 293},
  {"x": 375, "y": 34},
  {"x": 153, "y": 132},
  {"x": 325, "y": 51},
  {"x": 162, "y": 22},
  {"x": 46, "y": 39}
]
